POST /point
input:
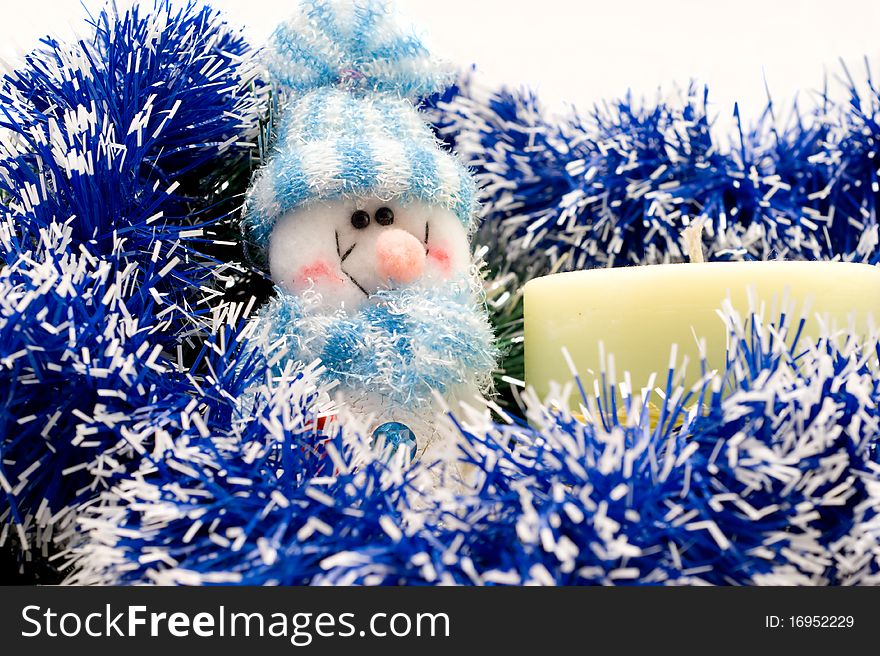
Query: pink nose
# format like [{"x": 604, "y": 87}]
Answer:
[{"x": 400, "y": 256}]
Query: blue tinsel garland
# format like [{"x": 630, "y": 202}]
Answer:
[
  {"x": 769, "y": 483},
  {"x": 616, "y": 185},
  {"x": 130, "y": 396},
  {"x": 113, "y": 152}
]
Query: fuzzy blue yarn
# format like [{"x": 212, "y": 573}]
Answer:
[
  {"x": 346, "y": 77},
  {"x": 355, "y": 46},
  {"x": 404, "y": 343},
  {"x": 196, "y": 478},
  {"x": 331, "y": 144}
]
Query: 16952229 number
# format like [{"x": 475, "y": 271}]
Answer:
[{"x": 821, "y": 621}]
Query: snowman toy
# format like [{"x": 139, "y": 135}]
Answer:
[{"x": 365, "y": 219}]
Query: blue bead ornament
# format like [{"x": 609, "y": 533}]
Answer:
[{"x": 395, "y": 435}]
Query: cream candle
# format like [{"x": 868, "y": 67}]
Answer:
[{"x": 638, "y": 313}]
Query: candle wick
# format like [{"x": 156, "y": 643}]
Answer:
[{"x": 692, "y": 236}]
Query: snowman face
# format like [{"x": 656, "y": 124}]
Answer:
[{"x": 347, "y": 249}]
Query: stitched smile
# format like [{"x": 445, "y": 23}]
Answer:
[{"x": 342, "y": 258}]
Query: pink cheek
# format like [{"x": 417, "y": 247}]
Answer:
[
  {"x": 440, "y": 256},
  {"x": 318, "y": 272}
]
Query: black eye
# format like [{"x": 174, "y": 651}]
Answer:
[
  {"x": 384, "y": 216},
  {"x": 360, "y": 219}
]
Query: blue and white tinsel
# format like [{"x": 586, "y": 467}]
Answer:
[
  {"x": 116, "y": 153},
  {"x": 144, "y": 440},
  {"x": 615, "y": 186},
  {"x": 759, "y": 477}
]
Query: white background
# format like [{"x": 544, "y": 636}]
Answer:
[{"x": 581, "y": 52}]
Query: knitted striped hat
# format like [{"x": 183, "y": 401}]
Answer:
[{"x": 349, "y": 127}]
